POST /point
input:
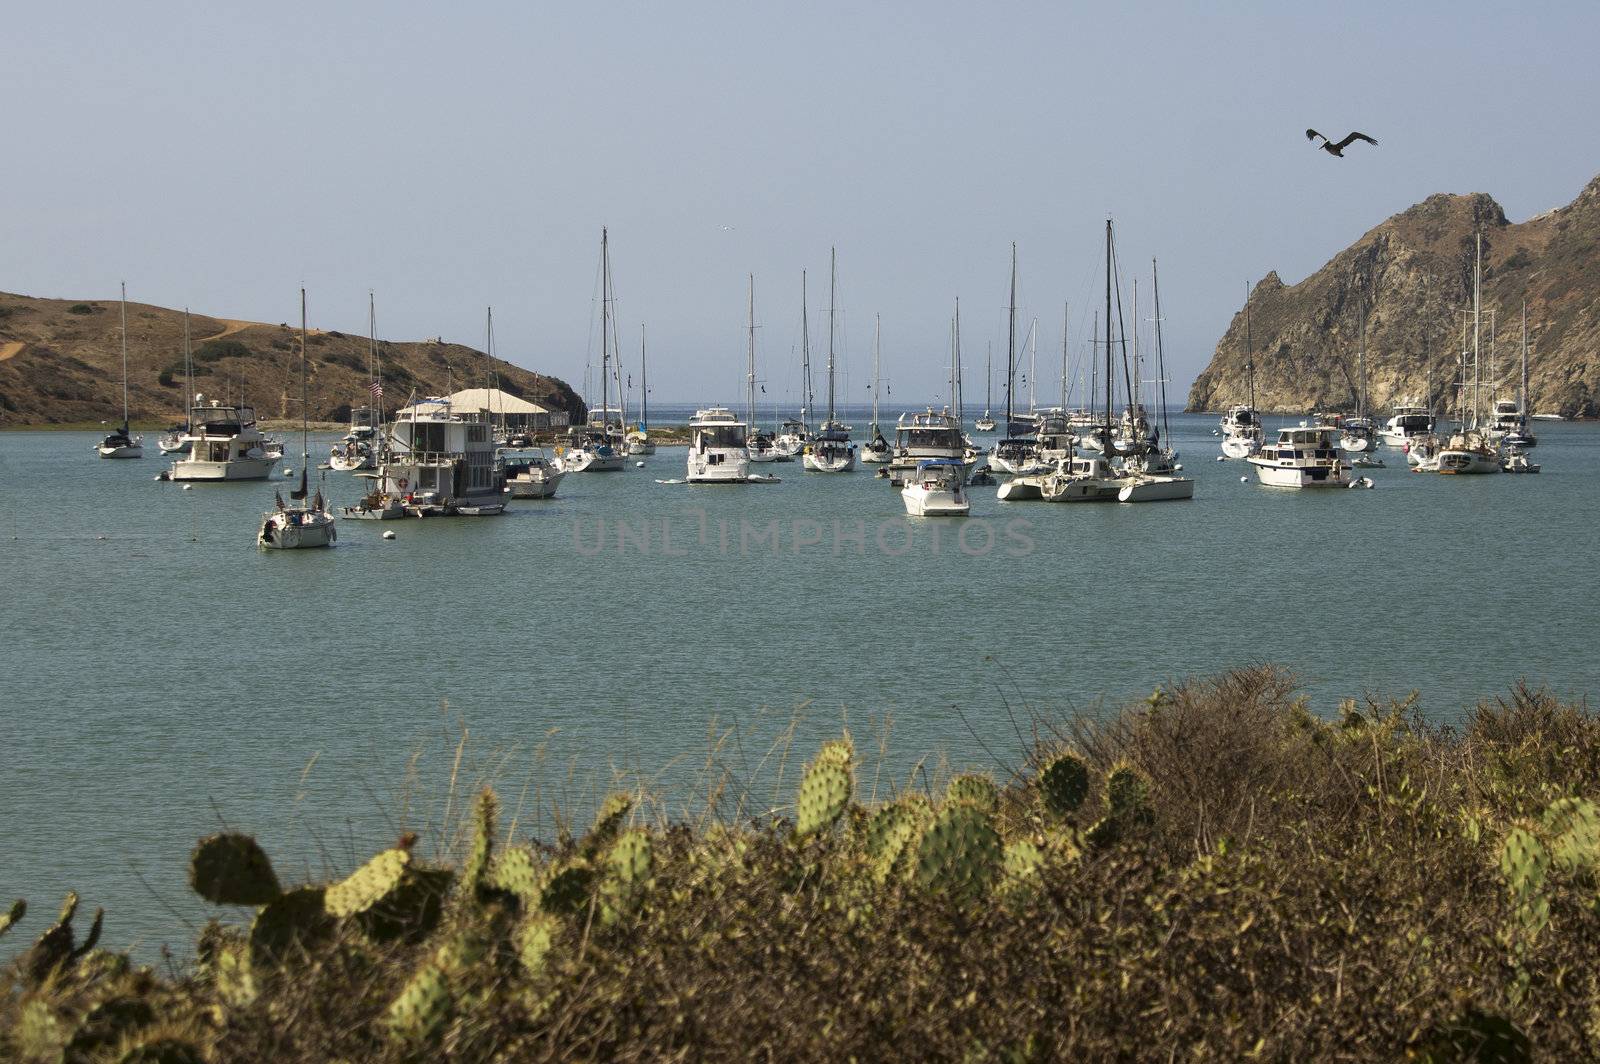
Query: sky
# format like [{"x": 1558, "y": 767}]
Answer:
[{"x": 451, "y": 157}]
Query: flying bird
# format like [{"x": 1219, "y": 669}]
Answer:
[{"x": 1338, "y": 149}]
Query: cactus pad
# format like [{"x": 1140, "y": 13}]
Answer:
[
  {"x": 18, "y": 910},
  {"x": 536, "y": 937},
  {"x": 296, "y": 921},
  {"x": 824, "y": 792},
  {"x": 232, "y": 869},
  {"x": 369, "y": 884},
  {"x": 516, "y": 871},
  {"x": 1105, "y": 833},
  {"x": 893, "y": 831},
  {"x": 422, "y": 1007},
  {"x": 1573, "y": 827},
  {"x": 566, "y": 889},
  {"x": 1524, "y": 862},
  {"x": 1064, "y": 784},
  {"x": 975, "y": 789},
  {"x": 413, "y": 909},
  {"x": 840, "y": 751},
  {"x": 607, "y": 822},
  {"x": 959, "y": 853},
  {"x": 485, "y": 818},
  {"x": 1128, "y": 794},
  {"x": 627, "y": 873}
]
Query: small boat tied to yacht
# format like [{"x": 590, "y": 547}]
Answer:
[
  {"x": 718, "y": 448},
  {"x": 1306, "y": 456},
  {"x": 304, "y": 522},
  {"x": 936, "y": 487},
  {"x": 121, "y": 443}
]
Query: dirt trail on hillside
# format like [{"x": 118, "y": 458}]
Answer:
[
  {"x": 10, "y": 350},
  {"x": 234, "y": 325}
]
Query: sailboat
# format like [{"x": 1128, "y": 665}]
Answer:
[
  {"x": 762, "y": 447},
  {"x": 986, "y": 422},
  {"x": 176, "y": 439},
  {"x": 831, "y": 451},
  {"x": 1471, "y": 448},
  {"x": 598, "y": 446},
  {"x": 1242, "y": 435},
  {"x": 1152, "y": 469},
  {"x": 1018, "y": 451},
  {"x": 639, "y": 442},
  {"x": 120, "y": 444},
  {"x": 304, "y": 522},
  {"x": 795, "y": 433},
  {"x": 877, "y": 450},
  {"x": 1513, "y": 425},
  {"x": 1360, "y": 433}
]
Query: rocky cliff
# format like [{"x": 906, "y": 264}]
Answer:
[
  {"x": 61, "y": 362},
  {"x": 1411, "y": 278}
]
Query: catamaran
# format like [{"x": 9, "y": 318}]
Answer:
[
  {"x": 303, "y": 522},
  {"x": 831, "y": 451},
  {"x": 121, "y": 444}
]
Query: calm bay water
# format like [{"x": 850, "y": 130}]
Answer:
[{"x": 164, "y": 676}]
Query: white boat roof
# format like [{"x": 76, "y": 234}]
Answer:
[{"x": 715, "y": 416}]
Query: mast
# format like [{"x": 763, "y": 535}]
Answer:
[
  {"x": 988, "y": 379},
  {"x": 644, "y": 386},
  {"x": 877, "y": 342},
  {"x": 750, "y": 373},
  {"x": 605, "y": 328},
  {"x": 1522, "y": 397},
  {"x": 1033, "y": 366},
  {"x": 961, "y": 399},
  {"x": 1109, "y": 380},
  {"x": 806, "y": 400},
  {"x": 1249, "y": 350},
  {"x": 1011, "y": 337},
  {"x": 188, "y": 376},
  {"x": 1361, "y": 363},
  {"x": 305, "y": 427},
  {"x": 1064, "y": 319},
  {"x": 125, "y": 358},
  {"x": 488, "y": 368},
  {"x": 833, "y": 284},
  {"x": 1133, "y": 385},
  {"x": 1477, "y": 306},
  {"x": 1161, "y": 356}
]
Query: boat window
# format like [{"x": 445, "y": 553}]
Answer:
[{"x": 721, "y": 436}]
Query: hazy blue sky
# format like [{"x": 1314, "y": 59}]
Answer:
[{"x": 452, "y": 156}]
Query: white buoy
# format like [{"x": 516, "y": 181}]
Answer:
[
  {"x": 388, "y": 535},
  {"x": 288, "y": 472},
  {"x": 1222, "y": 458},
  {"x": 638, "y": 465},
  {"x": 1244, "y": 480},
  {"x": 188, "y": 487}
]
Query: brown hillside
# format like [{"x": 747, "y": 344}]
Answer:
[
  {"x": 1414, "y": 273},
  {"x": 61, "y": 362}
]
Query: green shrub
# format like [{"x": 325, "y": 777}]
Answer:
[{"x": 80, "y": 308}]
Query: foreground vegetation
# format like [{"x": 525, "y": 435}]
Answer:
[{"x": 1213, "y": 874}]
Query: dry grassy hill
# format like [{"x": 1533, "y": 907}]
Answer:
[
  {"x": 1414, "y": 274},
  {"x": 61, "y": 362}
]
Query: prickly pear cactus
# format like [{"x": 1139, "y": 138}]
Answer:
[
  {"x": 1021, "y": 864},
  {"x": 1128, "y": 795},
  {"x": 892, "y": 833},
  {"x": 58, "y": 947},
  {"x": 40, "y": 1034},
  {"x": 165, "y": 1049},
  {"x": 294, "y": 922},
  {"x": 536, "y": 937},
  {"x": 413, "y": 909},
  {"x": 567, "y": 888},
  {"x": 1064, "y": 784},
  {"x": 959, "y": 853},
  {"x": 841, "y": 751},
  {"x": 232, "y": 869},
  {"x": 607, "y": 822},
  {"x": 1573, "y": 827},
  {"x": 975, "y": 789},
  {"x": 628, "y": 868},
  {"x": 1524, "y": 861},
  {"x": 107, "y": 1024},
  {"x": 368, "y": 885},
  {"x": 825, "y": 790},
  {"x": 485, "y": 818},
  {"x": 517, "y": 871},
  {"x": 18, "y": 910},
  {"x": 1104, "y": 833},
  {"x": 422, "y": 1007}
]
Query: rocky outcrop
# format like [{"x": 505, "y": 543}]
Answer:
[
  {"x": 61, "y": 362},
  {"x": 1411, "y": 279}
]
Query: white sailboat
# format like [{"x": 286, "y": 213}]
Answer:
[
  {"x": 761, "y": 447},
  {"x": 1242, "y": 435},
  {"x": 121, "y": 444},
  {"x": 639, "y": 441},
  {"x": 599, "y": 446},
  {"x": 795, "y": 432},
  {"x": 876, "y": 450},
  {"x": 1017, "y": 452},
  {"x": 986, "y": 422},
  {"x": 304, "y": 522},
  {"x": 1471, "y": 449},
  {"x": 1152, "y": 470},
  {"x": 1359, "y": 434},
  {"x": 176, "y": 439},
  {"x": 358, "y": 449},
  {"x": 831, "y": 451},
  {"x": 1515, "y": 431}
]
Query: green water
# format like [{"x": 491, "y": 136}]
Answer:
[{"x": 165, "y": 677}]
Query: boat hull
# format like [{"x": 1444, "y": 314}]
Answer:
[
  {"x": 533, "y": 489},
  {"x": 590, "y": 462},
  {"x": 277, "y": 533},
  {"x": 920, "y": 503},
  {"x": 1453, "y": 463},
  {"x": 129, "y": 450},
  {"x": 236, "y": 469},
  {"x": 1157, "y": 489},
  {"x": 1301, "y": 476},
  {"x": 830, "y": 463},
  {"x": 1240, "y": 446}
]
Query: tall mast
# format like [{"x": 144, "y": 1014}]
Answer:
[
  {"x": 1361, "y": 363},
  {"x": 750, "y": 374},
  {"x": 374, "y": 358},
  {"x": 1033, "y": 366},
  {"x": 1109, "y": 380},
  {"x": 961, "y": 398},
  {"x": 1065, "y": 308},
  {"x": 305, "y": 427},
  {"x": 1011, "y": 337},
  {"x": 124, "y": 358},
  {"x": 1133, "y": 385},
  {"x": 188, "y": 374},
  {"x": 605, "y": 327},
  {"x": 644, "y": 386},
  {"x": 488, "y": 366},
  {"x": 877, "y": 342},
  {"x": 988, "y": 380},
  {"x": 806, "y": 398},
  {"x": 833, "y": 284},
  {"x": 1249, "y": 350},
  {"x": 1522, "y": 398},
  {"x": 1161, "y": 355},
  {"x": 1477, "y": 306}
]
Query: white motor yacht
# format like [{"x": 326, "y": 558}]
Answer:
[
  {"x": 1406, "y": 424},
  {"x": 718, "y": 448},
  {"x": 1303, "y": 457},
  {"x": 927, "y": 436},
  {"x": 529, "y": 473},
  {"x": 437, "y": 462},
  {"x": 936, "y": 488},
  {"x": 225, "y": 444}
]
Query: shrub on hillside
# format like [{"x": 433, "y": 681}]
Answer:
[{"x": 80, "y": 308}]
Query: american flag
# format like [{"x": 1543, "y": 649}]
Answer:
[{"x": 376, "y": 388}]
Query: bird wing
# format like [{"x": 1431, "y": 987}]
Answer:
[
  {"x": 1312, "y": 134},
  {"x": 1346, "y": 142}
]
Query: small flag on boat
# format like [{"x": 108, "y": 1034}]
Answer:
[{"x": 376, "y": 388}]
